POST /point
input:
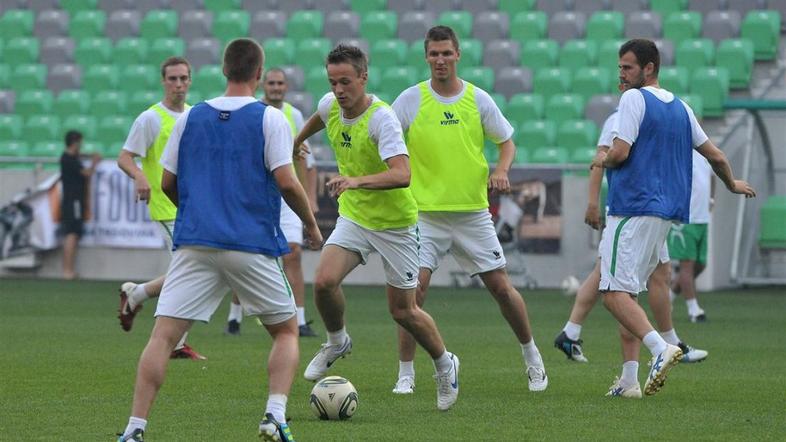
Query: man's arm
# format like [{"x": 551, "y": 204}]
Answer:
[
  {"x": 311, "y": 188},
  {"x": 592, "y": 214},
  {"x": 87, "y": 172},
  {"x": 312, "y": 126},
  {"x": 296, "y": 199},
  {"x": 722, "y": 168},
  {"x": 169, "y": 186},
  {"x": 127, "y": 164},
  {"x": 397, "y": 176},
  {"x": 615, "y": 156},
  {"x": 498, "y": 180}
]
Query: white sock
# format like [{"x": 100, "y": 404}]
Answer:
[
  {"x": 443, "y": 363},
  {"x": 671, "y": 337},
  {"x": 301, "y": 316},
  {"x": 531, "y": 354},
  {"x": 277, "y": 406},
  {"x": 182, "y": 342},
  {"x": 133, "y": 424},
  {"x": 406, "y": 368},
  {"x": 630, "y": 373},
  {"x": 655, "y": 343},
  {"x": 693, "y": 307},
  {"x": 235, "y": 312},
  {"x": 137, "y": 296},
  {"x": 337, "y": 337},
  {"x": 572, "y": 330}
]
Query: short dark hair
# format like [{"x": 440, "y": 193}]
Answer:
[
  {"x": 645, "y": 52},
  {"x": 441, "y": 33},
  {"x": 348, "y": 54},
  {"x": 273, "y": 71},
  {"x": 174, "y": 61},
  {"x": 242, "y": 59},
  {"x": 72, "y": 136}
]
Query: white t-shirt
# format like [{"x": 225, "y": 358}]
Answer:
[
  {"x": 278, "y": 134},
  {"x": 606, "y": 137},
  {"x": 145, "y": 130},
  {"x": 495, "y": 126},
  {"x": 631, "y": 115},
  {"x": 383, "y": 127},
  {"x": 700, "y": 190}
]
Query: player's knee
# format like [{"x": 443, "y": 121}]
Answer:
[
  {"x": 402, "y": 314},
  {"x": 325, "y": 283}
]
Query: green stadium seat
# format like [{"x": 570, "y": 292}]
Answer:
[
  {"x": 14, "y": 149},
  {"x": 71, "y": 101},
  {"x": 91, "y": 147},
  {"x": 396, "y": 79},
  {"x": 83, "y": 123},
  {"x": 529, "y": 25},
  {"x": 139, "y": 77},
  {"x": 736, "y": 55},
  {"x": 33, "y": 102},
  {"x": 480, "y": 76},
  {"x": 578, "y": 54},
  {"x": 130, "y": 51},
  {"x": 681, "y": 26},
  {"x": 209, "y": 79},
  {"x": 675, "y": 79},
  {"x": 100, "y": 77},
  {"x": 525, "y": 107},
  {"x": 695, "y": 53},
  {"x": 75, "y": 6},
  {"x": 575, "y": 134},
  {"x": 162, "y": 48},
  {"x": 536, "y": 133},
  {"x": 317, "y": 84},
  {"x": 471, "y": 52},
  {"x": 140, "y": 100},
  {"x": 608, "y": 55},
  {"x": 312, "y": 51},
  {"x": 583, "y": 155},
  {"x": 279, "y": 51},
  {"x": 159, "y": 23},
  {"x": 93, "y": 50},
  {"x": 772, "y": 231},
  {"x": 193, "y": 98},
  {"x": 88, "y": 23},
  {"x": 218, "y": 6},
  {"x": 16, "y": 23},
  {"x": 515, "y": 6},
  {"x": 537, "y": 54},
  {"x": 388, "y": 53},
  {"x": 305, "y": 24},
  {"x": 42, "y": 128},
  {"x": 551, "y": 81},
  {"x": 108, "y": 102},
  {"x": 763, "y": 29},
  {"x": 47, "y": 149},
  {"x": 364, "y": 6},
  {"x": 379, "y": 25},
  {"x": 564, "y": 107},
  {"x": 374, "y": 80},
  {"x": 5, "y": 73},
  {"x": 665, "y": 7},
  {"x": 416, "y": 56},
  {"x": 490, "y": 152},
  {"x": 229, "y": 25},
  {"x": 712, "y": 85},
  {"x": 112, "y": 131},
  {"x": 695, "y": 103},
  {"x": 21, "y": 50},
  {"x": 521, "y": 157},
  {"x": 460, "y": 21},
  {"x": 10, "y": 127},
  {"x": 549, "y": 155},
  {"x": 28, "y": 76},
  {"x": 605, "y": 25},
  {"x": 592, "y": 81},
  {"x": 500, "y": 101}
]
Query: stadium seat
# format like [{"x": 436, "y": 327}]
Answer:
[
  {"x": 605, "y": 25},
  {"x": 374, "y": 80},
  {"x": 666, "y": 49},
  {"x": 312, "y": 52},
  {"x": 501, "y": 54},
  {"x": 86, "y": 24},
  {"x": 589, "y": 7},
  {"x": 130, "y": 51},
  {"x": 199, "y": 24},
  {"x": 763, "y": 29},
  {"x": 530, "y": 25},
  {"x": 209, "y": 79},
  {"x": 681, "y": 26},
  {"x": 552, "y": 7},
  {"x": 100, "y": 77},
  {"x": 695, "y": 103},
  {"x": 491, "y": 25},
  {"x": 83, "y": 123},
  {"x": 665, "y": 7},
  {"x": 159, "y": 23},
  {"x": 525, "y": 107},
  {"x": 396, "y": 79},
  {"x": 513, "y": 80},
  {"x": 111, "y": 6},
  {"x": 643, "y": 24},
  {"x": 413, "y": 25},
  {"x": 746, "y": 6},
  {"x": 295, "y": 77},
  {"x": 628, "y": 6},
  {"x": 290, "y": 6},
  {"x": 564, "y": 107},
  {"x": 162, "y": 48},
  {"x": 138, "y": 101},
  {"x": 72, "y": 101},
  {"x": 537, "y": 54},
  {"x": 513, "y": 7},
  {"x": 107, "y": 102},
  {"x": 736, "y": 55},
  {"x": 696, "y": 53},
  {"x": 33, "y": 102},
  {"x": 772, "y": 231},
  {"x": 21, "y": 50},
  {"x": 93, "y": 50},
  {"x": 460, "y": 21},
  {"x": 388, "y": 53},
  {"x": 340, "y": 25},
  {"x": 139, "y": 77},
  {"x": 27, "y": 76},
  {"x": 536, "y": 133},
  {"x": 416, "y": 56},
  {"x": 279, "y": 51},
  {"x": 439, "y": 5},
  {"x": 592, "y": 81},
  {"x": 675, "y": 79},
  {"x": 123, "y": 24},
  {"x": 471, "y": 52},
  {"x": 10, "y": 127},
  {"x": 16, "y": 23},
  {"x": 608, "y": 54},
  {"x": 64, "y": 76},
  {"x": 228, "y": 25},
  {"x": 551, "y": 81},
  {"x": 268, "y": 24},
  {"x": 76, "y": 6},
  {"x": 13, "y": 149},
  {"x": 491, "y": 152},
  {"x": 51, "y": 23},
  {"x": 566, "y": 25},
  {"x": 112, "y": 131},
  {"x": 364, "y": 6},
  {"x": 500, "y": 101},
  {"x": 302, "y": 100},
  {"x": 47, "y": 149},
  {"x": 41, "y": 128},
  {"x": 378, "y": 25},
  {"x": 583, "y": 155},
  {"x": 712, "y": 85},
  {"x": 578, "y": 54},
  {"x": 7, "y": 99},
  {"x": 317, "y": 84},
  {"x": 575, "y": 134},
  {"x": 218, "y": 6},
  {"x": 360, "y": 43},
  {"x": 480, "y": 76},
  {"x": 705, "y": 6},
  {"x": 305, "y": 25},
  {"x": 202, "y": 51},
  {"x": 549, "y": 155},
  {"x": 720, "y": 25}
]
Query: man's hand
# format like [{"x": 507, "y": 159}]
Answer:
[
  {"x": 592, "y": 216},
  {"x": 314, "y": 237},
  {"x": 142, "y": 188},
  {"x": 301, "y": 152},
  {"x": 499, "y": 181},
  {"x": 338, "y": 184},
  {"x": 743, "y": 188},
  {"x": 96, "y": 157}
]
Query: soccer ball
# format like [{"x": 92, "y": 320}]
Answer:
[
  {"x": 570, "y": 285},
  {"x": 334, "y": 398}
]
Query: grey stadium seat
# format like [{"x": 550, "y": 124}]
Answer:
[
  {"x": 195, "y": 24},
  {"x": 203, "y": 51},
  {"x": 551, "y": 7},
  {"x": 303, "y": 101},
  {"x": 7, "y": 100},
  {"x": 268, "y": 24},
  {"x": 666, "y": 49},
  {"x": 122, "y": 24},
  {"x": 628, "y": 6},
  {"x": 439, "y": 5},
  {"x": 357, "y": 42},
  {"x": 404, "y": 6},
  {"x": 327, "y": 6},
  {"x": 513, "y": 80},
  {"x": 491, "y": 25},
  {"x": 295, "y": 77},
  {"x": 181, "y": 6},
  {"x": 254, "y": 6},
  {"x": 644, "y": 24},
  {"x": 501, "y": 54},
  {"x": 590, "y": 6},
  {"x": 56, "y": 50},
  {"x": 705, "y": 6},
  {"x": 64, "y": 76},
  {"x": 413, "y": 25},
  {"x": 720, "y": 25},
  {"x": 600, "y": 107},
  {"x": 144, "y": 6},
  {"x": 745, "y": 6},
  {"x": 115, "y": 5},
  {"x": 477, "y": 6},
  {"x": 342, "y": 24},
  {"x": 290, "y": 6},
  {"x": 51, "y": 23},
  {"x": 38, "y": 5},
  {"x": 564, "y": 26}
]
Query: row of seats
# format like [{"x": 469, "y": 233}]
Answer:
[{"x": 108, "y": 130}]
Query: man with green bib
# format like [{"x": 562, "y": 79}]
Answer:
[
  {"x": 146, "y": 140},
  {"x": 376, "y": 213},
  {"x": 445, "y": 120}
]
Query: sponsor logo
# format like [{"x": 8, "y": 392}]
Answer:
[
  {"x": 347, "y": 140},
  {"x": 450, "y": 119}
]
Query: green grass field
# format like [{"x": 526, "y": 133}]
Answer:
[{"x": 67, "y": 373}]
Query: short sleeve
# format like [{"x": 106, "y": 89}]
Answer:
[
  {"x": 278, "y": 139},
  {"x": 143, "y": 133},
  {"x": 170, "y": 155},
  {"x": 606, "y": 139},
  {"x": 385, "y": 130},
  {"x": 496, "y": 127},
  {"x": 697, "y": 133},
  {"x": 629, "y": 116},
  {"x": 325, "y": 103},
  {"x": 406, "y": 106}
]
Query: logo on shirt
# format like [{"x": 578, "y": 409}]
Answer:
[
  {"x": 450, "y": 119},
  {"x": 347, "y": 140}
]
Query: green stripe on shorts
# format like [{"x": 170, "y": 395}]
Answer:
[
  {"x": 614, "y": 247},
  {"x": 283, "y": 275},
  {"x": 169, "y": 232}
]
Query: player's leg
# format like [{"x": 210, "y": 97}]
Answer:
[
  {"x": 282, "y": 365},
  {"x": 293, "y": 268},
  {"x": 407, "y": 344},
  {"x": 698, "y": 248},
  {"x": 569, "y": 340},
  {"x": 70, "y": 244},
  {"x": 235, "y": 317},
  {"x": 627, "y": 385}
]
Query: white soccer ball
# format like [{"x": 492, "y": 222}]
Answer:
[
  {"x": 570, "y": 285},
  {"x": 334, "y": 398}
]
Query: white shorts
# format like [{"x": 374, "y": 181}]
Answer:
[
  {"x": 291, "y": 225},
  {"x": 199, "y": 277},
  {"x": 663, "y": 253},
  {"x": 468, "y": 236},
  {"x": 630, "y": 249},
  {"x": 167, "y": 229},
  {"x": 398, "y": 248}
]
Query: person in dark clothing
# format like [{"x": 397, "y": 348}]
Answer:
[{"x": 74, "y": 181}]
